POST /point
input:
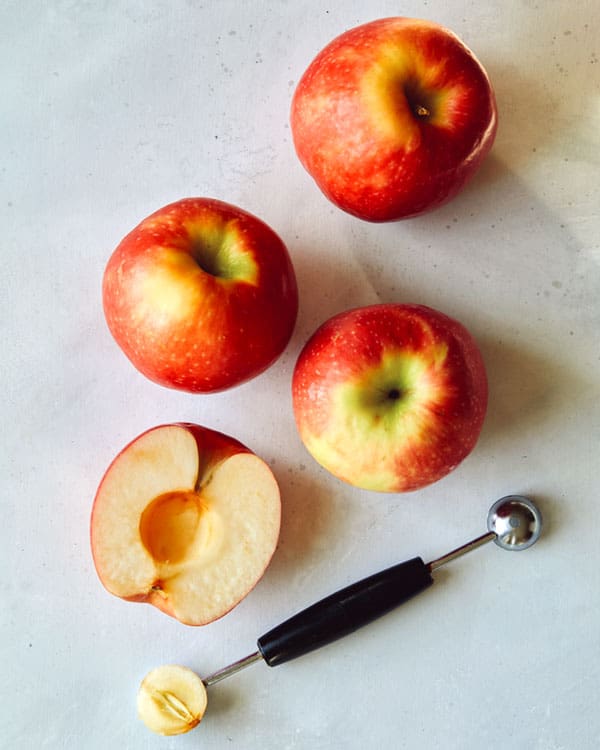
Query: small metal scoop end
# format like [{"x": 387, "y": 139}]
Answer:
[{"x": 516, "y": 521}]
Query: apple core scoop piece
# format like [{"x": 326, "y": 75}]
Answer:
[{"x": 514, "y": 523}]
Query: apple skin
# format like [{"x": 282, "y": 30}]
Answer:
[
  {"x": 393, "y": 117},
  {"x": 201, "y": 296},
  {"x": 213, "y": 449},
  {"x": 390, "y": 397}
]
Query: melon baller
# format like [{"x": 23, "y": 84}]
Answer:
[{"x": 514, "y": 523}]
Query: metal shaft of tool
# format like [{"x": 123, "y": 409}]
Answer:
[
  {"x": 237, "y": 666},
  {"x": 462, "y": 550}
]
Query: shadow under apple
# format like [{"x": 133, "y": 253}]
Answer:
[
  {"x": 308, "y": 517},
  {"x": 526, "y": 390},
  {"x": 329, "y": 281}
]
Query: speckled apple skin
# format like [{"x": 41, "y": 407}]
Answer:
[
  {"x": 355, "y": 132},
  {"x": 187, "y": 329}
]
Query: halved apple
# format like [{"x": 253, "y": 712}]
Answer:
[{"x": 186, "y": 519}]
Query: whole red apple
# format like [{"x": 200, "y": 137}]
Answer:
[
  {"x": 391, "y": 118},
  {"x": 186, "y": 519},
  {"x": 390, "y": 397},
  {"x": 201, "y": 296}
]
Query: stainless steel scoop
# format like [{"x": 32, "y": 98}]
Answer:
[{"x": 514, "y": 523}]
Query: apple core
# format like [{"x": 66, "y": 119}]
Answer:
[
  {"x": 169, "y": 525},
  {"x": 171, "y": 700}
]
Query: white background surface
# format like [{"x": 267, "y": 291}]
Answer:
[{"x": 113, "y": 109}]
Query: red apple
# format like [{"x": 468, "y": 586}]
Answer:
[
  {"x": 391, "y": 118},
  {"x": 186, "y": 519},
  {"x": 390, "y": 397},
  {"x": 201, "y": 296}
]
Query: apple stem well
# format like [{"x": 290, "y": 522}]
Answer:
[
  {"x": 418, "y": 100},
  {"x": 218, "y": 252},
  {"x": 212, "y": 260}
]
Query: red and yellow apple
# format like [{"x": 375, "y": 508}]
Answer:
[
  {"x": 201, "y": 296},
  {"x": 390, "y": 397},
  {"x": 186, "y": 519},
  {"x": 392, "y": 117}
]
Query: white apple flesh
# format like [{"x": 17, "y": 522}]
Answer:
[{"x": 186, "y": 519}]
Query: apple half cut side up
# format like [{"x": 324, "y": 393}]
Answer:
[{"x": 185, "y": 519}]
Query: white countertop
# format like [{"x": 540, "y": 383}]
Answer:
[{"x": 113, "y": 109}]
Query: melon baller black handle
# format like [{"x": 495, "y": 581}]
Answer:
[{"x": 344, "y": 611}]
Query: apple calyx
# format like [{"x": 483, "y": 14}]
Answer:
[{"x": 396, "y": 391}]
